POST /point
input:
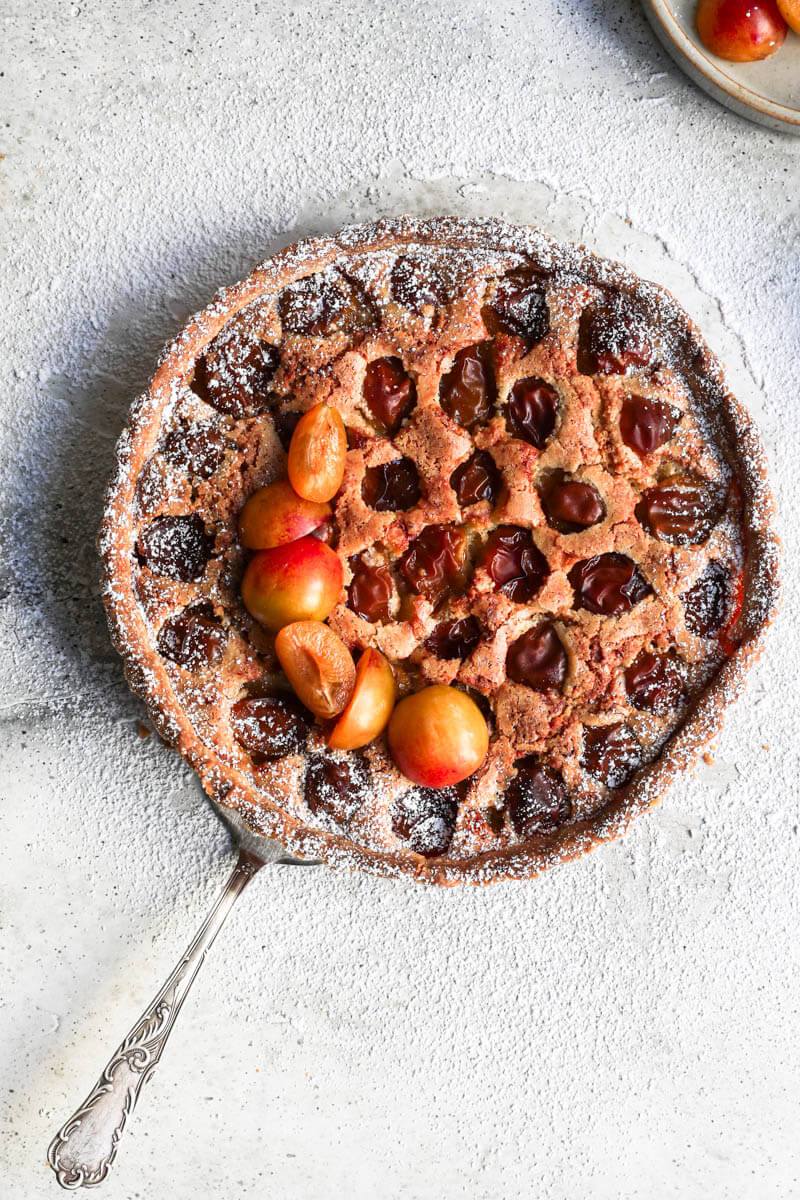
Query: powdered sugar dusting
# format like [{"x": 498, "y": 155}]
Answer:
[
  {"x": 439, "y": 274},
  {"x": 623, "y": 1028}
]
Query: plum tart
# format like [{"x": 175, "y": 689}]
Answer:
[{"x": 438, "y": 548}]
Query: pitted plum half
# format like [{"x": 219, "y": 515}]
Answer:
[
  {"x": 536, "y": 799},
  {"x": 531, "y": 411},
  {"x": 608, "y": 584},
  {"x": 176, "y": 546},
  {"x": 537, "y": 659},
  {"x": 270, "y": 727},
  {"x": 611, "y": 753},
  {"x": 390, "y": 393},
  {"x": 392, "y": 486},
  {"x": 467, "y": 392},
  {"x": 516, "y": 565},
  {"x": 477, "y": 479}
]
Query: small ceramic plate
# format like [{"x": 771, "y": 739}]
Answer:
[{"x": 766, "y": 91}]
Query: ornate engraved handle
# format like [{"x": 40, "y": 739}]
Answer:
[{"x": 85, "y": 1147}]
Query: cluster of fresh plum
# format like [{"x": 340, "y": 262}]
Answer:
[
  {"x": 293, "y": 581},
  {"x": 746, "y": 30}
]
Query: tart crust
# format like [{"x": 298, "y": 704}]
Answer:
[{"x": 482, "y": 250}]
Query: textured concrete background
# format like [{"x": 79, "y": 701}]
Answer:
[{"x": 627, "y": 1027}]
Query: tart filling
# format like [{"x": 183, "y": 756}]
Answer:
[{"x": 457, "y": 467}]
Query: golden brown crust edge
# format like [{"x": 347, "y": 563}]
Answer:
[{"x": 144, "y": 670}]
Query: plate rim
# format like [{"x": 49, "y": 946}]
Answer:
[{"x": 752, "y": 103}]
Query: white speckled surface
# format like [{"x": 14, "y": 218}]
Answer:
[{"x": 625, "y": 1027}]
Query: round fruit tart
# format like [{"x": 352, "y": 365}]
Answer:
[{"x": 438, "y": 548}]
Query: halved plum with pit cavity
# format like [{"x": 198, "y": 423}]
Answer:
[
  {"x": 390, "y": 393},
  {"x": 269, "y": 727},
  {"x": 476, "y": 479},
  {"x": 531, "y": 411},
  {"x": 611, "y": 753},
  {"x": 536, "y": 799},
  {"x": 537, "y": 659},
  {"x": 467, "y": 392},
  {"x": 654, "y": 683},
  {"x": 608, "y": 584},
  {"x": 516, "y": 565},
  {"x": 435, "y": 562},
  {"x": 392, "y": 486}
]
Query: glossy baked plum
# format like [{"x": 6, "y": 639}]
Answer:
[
  {"x": 518, "y": 307},
  {"x": 611, "y": 753},
  {"x": 235, "y": 373},
  {"x": 706, "y": 602},
  {"x": 178, "y": 547},
  {"x": 418, "y": 283},
  {"x": 425, "y": 818},
  {"x": 477, "y": 479},
  {"x": 392, "y": 486},
  {"x": 646, "y": 425},
  {"x": 467, "y": 392},
  {"x": 654, "y": 683},
  {"x": 323, "y": 304},
  {"x": 536, "y": 800},
  {"x": 678, "y": 511},
  {"x": 198, "y": 449},
  {"x": 571, "y": 506},
  {"x": 613, "y": 338},
  {"x": 269, "y": 727},
  {"x": 193, "y": 638},
  {"x": 531, "y": 411},
  {"x": 434, "y": 565},
  {"x": 390, "y": 393},
  {"x": 336, "y": 786},
  {"x": 369, "y": 593},
  {"x": 515, "y": 564},
  {"x": 454, "y": 639},
  {"x": 608, "y": 584},
  {"x": 537, "y": 659}
]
